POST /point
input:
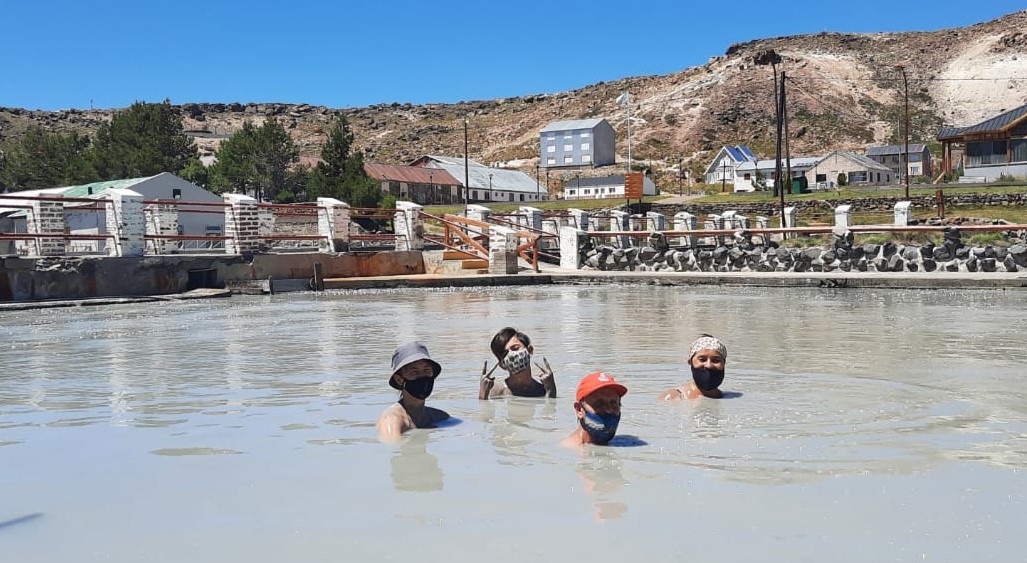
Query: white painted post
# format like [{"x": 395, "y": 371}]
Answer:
[
  {"x": 685, "y": 221},
  {"x": 621, "y": 221},
  {"x": 502, "y": 250},
  {"x": 333, "y": 224},
  {"x": 570, "y": 241},
  {"x": 533, "y": 216},
  {"x": 47, "y": 218},
  {"x": 903, "y": 213},
  {"x": 788, "y": 221},
  {"x": 409, "y": 226},
  {"x": 728, "y": 219},
  {"x": 656, "y": 221},
  {"x": 126, "y": 223},
  {"x": 478, "y": 212},
  {"x": 580, "y": 219},
  {"x": 843, "y": 216},
  {"x": 242, "y": 224},
  {"x": 715, "y": 222},
  {"x": 162, "y": 219},
  {"x": 762, "y": 222}
]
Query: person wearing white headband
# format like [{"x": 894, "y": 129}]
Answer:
[{"x": 706, "y": 359}]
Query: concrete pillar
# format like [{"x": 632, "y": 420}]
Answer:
[
  {"x": 47, "y": 218},
  {"x": 843, "y": 216},
  {"x": 126, "y": 223},
  {"x": 533, "y": 215},
  {"x": 903, "y": 213},
  {"x": 502, "y": 250},
  {"x": 162, "y": 219},
  {"x": 762, "y": 222},
  {"x": 242, "y": 224},
  {"x": 478, "y": 212},
  {"x": 551, "y": 227},
  {"x": 788, "y": 220},
  {"x": 656, "y": 221},
  {"x": 621, "y": 221},
  {"x": 580, "y": 219},
  {"x": 333, "y": 224},
  {"x": 409, "y": 226},
  {"x": 570, "y": 242},
  {"x": 685, "y": 221},
  {"x": 715, "y": 222},
  {"x": 728, "y": 219}
]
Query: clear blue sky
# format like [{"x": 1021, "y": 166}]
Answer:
[{"x": 350, "y": 53}]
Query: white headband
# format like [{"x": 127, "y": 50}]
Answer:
[{"x": 707, "y": 343}]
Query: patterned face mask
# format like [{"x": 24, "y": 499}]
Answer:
[{"x": 517, "y": 361}]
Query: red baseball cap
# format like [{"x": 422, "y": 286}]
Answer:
[{"x": 596, "y": 381}]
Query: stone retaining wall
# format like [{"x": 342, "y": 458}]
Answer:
[{"x": 745, "y": 253}]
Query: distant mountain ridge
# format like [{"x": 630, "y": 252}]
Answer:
[{"x": 844, "y": 92}]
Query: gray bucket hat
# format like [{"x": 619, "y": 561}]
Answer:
[{"x": 408, "y": 354}]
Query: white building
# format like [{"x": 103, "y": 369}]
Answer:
[
  {"x": 485, "y": 184},
  {"x": 608, "y": 187}
]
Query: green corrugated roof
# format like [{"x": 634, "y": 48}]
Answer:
[{"x": 96, "y": 188}]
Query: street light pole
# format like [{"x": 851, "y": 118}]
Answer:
[
  {"x": 770, "y": 57},
  {"x": 905, "y": 150},
  {"x": 467, "y": 181},
  {"x": 538, "y": 185}
]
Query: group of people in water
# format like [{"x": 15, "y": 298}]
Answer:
[{"x": 597, "y": 400}]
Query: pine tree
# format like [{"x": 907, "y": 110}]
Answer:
[
  {"x": 144, "y": 140},
  {"x": 44, "y": 159},
  {"x": 255, "y": 160}
]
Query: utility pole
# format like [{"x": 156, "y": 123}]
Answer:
[
  {"x": 723, "y": 175},
  {"x": 905, "y": 148},
  {"x": 467, "y": 181},
  {"x": 788, "y": 152},
  {"x": 538, "y": 183}
]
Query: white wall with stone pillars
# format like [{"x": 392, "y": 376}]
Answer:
[
  {"x": 478, "y": 212},
  {"x": 684, "y": 221},
  {"x": 656, "y": 221},
  {"x": 242, "y": 224},
  {"x": 714, "y": 222},
  {"x": 409, "y": 226},
  {"x": 126, "y": 223},
  {"x": 162, "y": 219},
  {"x": 502, "y": 250},
  {"x": 570, "y": 240},
  {"x": 47, "y": 218},
  {"x": 580, "y": 219},
  {"x": 333, "y": 224},
  {"x": 903, "y": 213},
  {"x": 843, "y": 216}
]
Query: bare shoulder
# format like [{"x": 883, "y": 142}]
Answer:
[
  {"x": 394, "y": 421},
  {"x": 500, "y": 390},
  {"x": 672, "y": 394}
]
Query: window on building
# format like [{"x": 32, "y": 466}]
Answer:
[
  {"x": 550, "y": 148},
  {"x": 1018, "y": 150},
  {"x": 820, "y": 177},
  {"x": 572, "y": 192},
  {"x": 474, "y": 194},
  {"x": 568, "y": 148},
  {"x": 586, "y": 158},
  {"x": 914, "y": 170},
  {"x": 551, "y": 160},
  {"x": 586, "y": 134},
  {"x": 568, "y": 160},
  {"x": 585, "y": 147},
  {"x": 986, "y": 152},
  {"x": 551, "y": 135},
  {"x": 568, "y": 134},
  {"x": 858, "y": 176},
  {"x": 522, "y": 197}
]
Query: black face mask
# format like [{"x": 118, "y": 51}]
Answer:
[
  {"x": 707, "y": 379},
  {"x": 420, "y": 387}
]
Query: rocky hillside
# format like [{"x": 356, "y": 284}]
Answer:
[{"x": 844, "y": 92}]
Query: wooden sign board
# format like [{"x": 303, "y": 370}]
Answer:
[{"x": 633, "y": 185}]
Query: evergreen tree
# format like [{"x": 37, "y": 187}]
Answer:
[
  {"x": 341, "y": 173},
  {"x": 44, "y": 159},
  {"x": 144, "y": 140},
  {"x": 255, "y": 160}
]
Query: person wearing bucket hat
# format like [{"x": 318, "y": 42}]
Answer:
[
  {"x": 513, "y": 350},
  {"x": 597, "y": 406},
  {"x": 413, "y": 374},
  {"x": 706, "y": 359}
]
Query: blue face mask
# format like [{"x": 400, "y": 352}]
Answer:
[{"x": 600, "y": 427}]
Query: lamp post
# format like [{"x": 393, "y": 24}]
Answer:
[
  {"x": 538, "y": 185},
  {"x": 770, "y": 57},
  {"x": 467, "y": 182},
  {"x": 905, "y": 148}
]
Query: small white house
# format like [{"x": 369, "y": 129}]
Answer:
[
  {"x": 608, "y": 187},
  {"x": 723, "y": 167}
]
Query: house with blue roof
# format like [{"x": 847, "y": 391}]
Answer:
[
  {"x": 577, "y": 143},
  {"x": 991, "y": 148},
  {"x": 722, "y": 167}
]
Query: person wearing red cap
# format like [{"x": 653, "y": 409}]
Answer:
[
  {"x": 513, "y": 349},
  {"x": 597, "y": 406},
  {"x": 706, "y": 358},
  {"x": 413, "y": 374}
]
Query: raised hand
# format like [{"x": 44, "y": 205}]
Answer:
[{"x": 547, "y": 376}]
